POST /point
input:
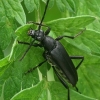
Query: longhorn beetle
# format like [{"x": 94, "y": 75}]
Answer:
[{"x": 55, "y": 53}]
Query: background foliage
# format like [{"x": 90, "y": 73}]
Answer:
[{"x": 64, "y": 17}]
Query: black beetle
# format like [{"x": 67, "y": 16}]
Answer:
[{"x": 55, "y": 53}]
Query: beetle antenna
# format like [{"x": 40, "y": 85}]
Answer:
[{"x": 43, "y": 14}]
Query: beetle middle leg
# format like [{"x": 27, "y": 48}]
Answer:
[
  {"x": 35, "y": 45},
  {"x": 63, "y": 82},
  {"x": 30, "y": 70},
  {"x": 71, "y": 37}
]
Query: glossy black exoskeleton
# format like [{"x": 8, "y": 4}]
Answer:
[{"x": 55, "y": 53}]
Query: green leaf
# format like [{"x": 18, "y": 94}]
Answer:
[
  {"x": 1, "y": 54},
  {"x": 34, "y": 57},
  {"x": 88, "y": 72},
  {"x": 12, "y": 9},
  {"x": 6, "y": 30},
  {"x": 64, "y": 25},
  {"x": 45, "y": 90},
  {"x": 31, "y": 4},
  {"x": 57, "y": 91},
  {"x": 22, "y": 32},
  {"x": 69, "y": 4},
  {"x": 90, "y": 42},
  {"x": 3, "y": 64},
  {"x": 34, "y": 93},
  {"x": 78, "y": 96},
  {"x": 51, "y": 3},
  {"x": 60, "y": 5},
  {"x": 4, "y": 61},
  {"x": 13, "y": 81},
  {"x": 93, "y": 6},
  {"x": 41, "y": 91}
]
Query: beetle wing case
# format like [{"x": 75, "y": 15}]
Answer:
[{"x": 61, "y": 59}]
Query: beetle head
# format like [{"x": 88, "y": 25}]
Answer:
[{"x": 36, "y": 34}]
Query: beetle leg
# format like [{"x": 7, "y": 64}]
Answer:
[
  {"x": 30, "y": 44},
  {"x": 71, "y": 37},
  {"x": 44, "y": 54},
  {"x": 26, "y": 43},
  {"x": 77, "y": 90},
  {"x": 63, "y": 82},
  {"x": 78, "y": 57},
  {"x": 36, "y": 66},
  {"x": 47, "y": 31}
]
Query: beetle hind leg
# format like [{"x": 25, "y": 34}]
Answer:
[
  {"x": 63, "y": 82},
  {"x": 78, "y": 57},
  {"x": 77, "y": 90}
]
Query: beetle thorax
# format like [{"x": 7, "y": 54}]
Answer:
[{"x": 36, "y": 34}]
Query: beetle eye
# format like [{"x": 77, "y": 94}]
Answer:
[{"x": 31, "y": 32}]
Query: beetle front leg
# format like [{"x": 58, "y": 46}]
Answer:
[
  {"x": 30, "y": 44},
  {"x": 26, "y": 43}
]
